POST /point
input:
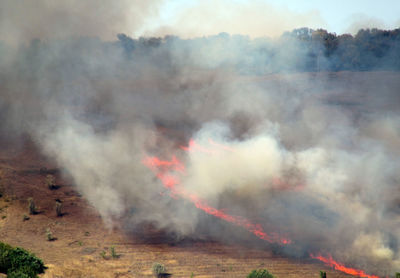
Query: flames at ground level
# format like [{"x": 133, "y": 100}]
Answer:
[{"x": 168, "y": 172}]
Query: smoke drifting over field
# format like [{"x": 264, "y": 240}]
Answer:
[{"x": 314, "y": 156}]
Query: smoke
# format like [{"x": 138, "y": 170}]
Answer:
[
  {"x": 23, "y": 20},
  {"x": 337, "y": 189},
  {"x": 254, "y": 18},
  {"x": 311, "y": 155},
  {"x": 362, "y": 21}
]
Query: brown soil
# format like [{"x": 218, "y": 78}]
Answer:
[{"x": 83, "y": 242}]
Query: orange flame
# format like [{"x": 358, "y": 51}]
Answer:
[
  {"x": 332, "y": 263},
  {"x": 165, "y": 171}
]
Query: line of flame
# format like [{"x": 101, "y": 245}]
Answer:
[
  {"x": 162, "y": 169},
  {"x": 338, "y": 266}
]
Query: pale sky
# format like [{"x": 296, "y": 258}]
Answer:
[
  {"x": 339, "y": 16},
  {"x": 23, "y": 20}
]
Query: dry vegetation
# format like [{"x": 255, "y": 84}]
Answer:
[{"x": 84, "y": 245}]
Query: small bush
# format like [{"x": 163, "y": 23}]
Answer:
[
  {"x": 103, "y": 254},
  {"x": 158, "y": 269},
  {"x": 114, "y": 254},
  {"x": 397, "y": 274},
  {"x": 25, "y": 217},
  {"x": 322, "y": 274},
  {"x": 32, "y": 207},
  {"x": 49, "y": 235},
  {"x": 261, "y": 273},
  {"x": 17, "y": 262},
  {"x": 51, "y": 182},
  {"x": 59, "y": 207}
]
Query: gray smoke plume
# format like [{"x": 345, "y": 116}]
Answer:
[
  {"x": 314, "y": 156},
  {"x": 24, "y": 20}
]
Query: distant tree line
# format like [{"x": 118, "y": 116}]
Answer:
[
  {"x": 301, "y": 50},
  {"x": 311, "y": 50},
  {"x": 369, "y": 49}
]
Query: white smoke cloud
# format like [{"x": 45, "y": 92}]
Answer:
[{"x": 299, "y": 159}]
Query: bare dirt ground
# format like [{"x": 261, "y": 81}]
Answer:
[{"x": 83, "y": 242}]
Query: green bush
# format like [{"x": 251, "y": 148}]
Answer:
[
  {"x": 5, "y": 262},
  {"x": 17, "y": 274},
  {"x": 15, "y": 261},
  {"x": 397, "y": 274},
  {"x": 261, "y": 273},
  {"x": 114, "y": 254},
  {"x": 158, "y": 269},
  {"x": 103, "y": 255}
]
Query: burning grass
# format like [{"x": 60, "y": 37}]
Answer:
[{"x": 168, "y": 172}]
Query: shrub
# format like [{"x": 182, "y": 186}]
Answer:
[
  {"x": 49, "y": 235},
  {"x": 158, "y": 269},
  {"x": 31, "y": 206},
  {"x": 114, "y": 254},
  {"x": 51, "y": 182},
  {"x": 397, "y": 274},
  {"x": 17, "y": 262},
  {"x": 17, "y": 274},
  {"x": 103, "y": 254},
  {"x": 322, "y": 274},
  {"x": 261, "y": 273},
  {"x": 59, "y": 206}
]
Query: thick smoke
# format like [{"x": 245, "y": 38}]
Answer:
[
  {"x": 312, "y": 155},
  {"x": 25, "y": 20}
]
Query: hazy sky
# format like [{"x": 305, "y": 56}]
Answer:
[
  {"x": 24, "y": 20},
  {"x": 340, "y": 16}
]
